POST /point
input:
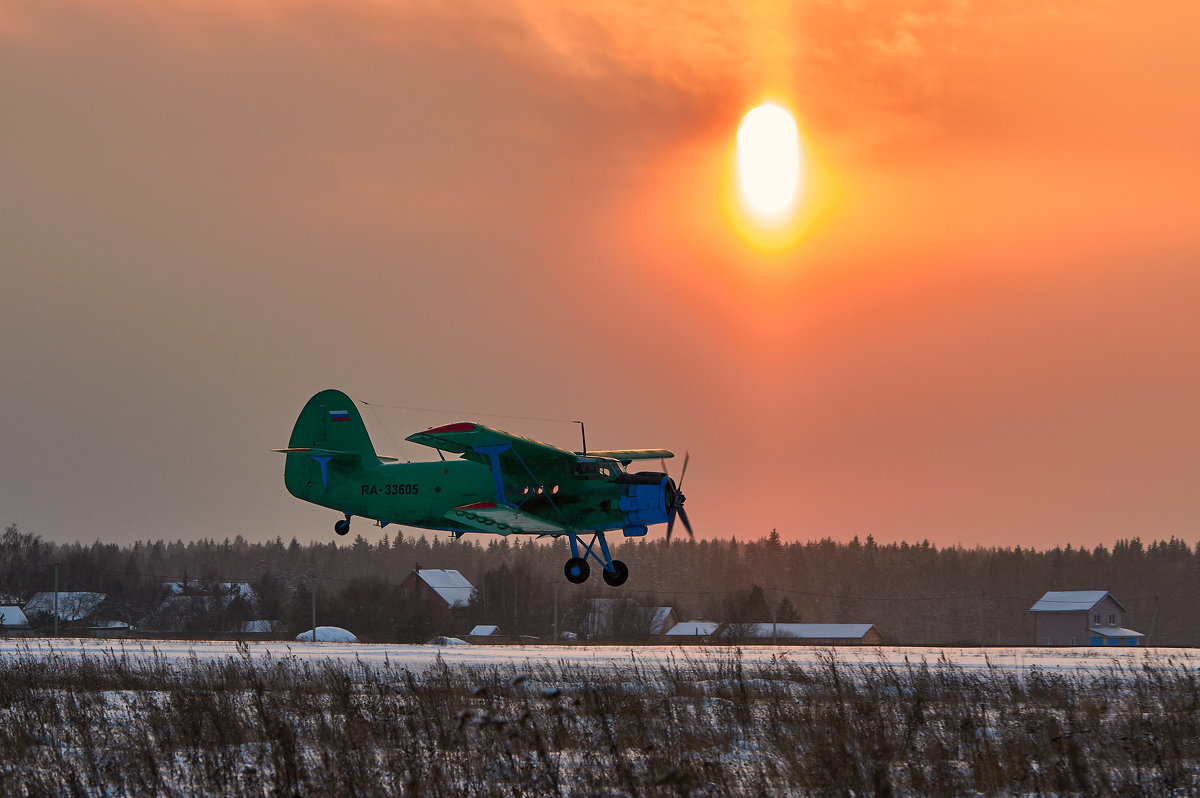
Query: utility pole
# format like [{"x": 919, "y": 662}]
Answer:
[
  {"x": 774, "y": 619},
  {"x": 56, "y": 599},
  {"x": 556, "y": 613},
  {"x": 314, "y": 609}
]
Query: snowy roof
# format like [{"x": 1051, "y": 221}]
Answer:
[
  {"x": 1071, "y": 601},
  {"x": 452, "y": 586},
  {"x": 661, "y": 616},
  {"x": 71, "y": 606},
  {"x": 483, "y": 630},
  {"x": 1114, "y": 631},
  {"x": 242, "y": 589},
  {"x": 11, "y": 615},
  {"x": 815, "y": 631},
  {"x": 693, "y": 628}
]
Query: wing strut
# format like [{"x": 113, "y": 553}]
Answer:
[{"x": 493, "y": 453}]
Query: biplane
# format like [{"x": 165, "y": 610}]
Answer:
[{"x": 501, "y": 484}]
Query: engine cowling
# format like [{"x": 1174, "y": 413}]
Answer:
[{"x": 645, "y": 499}]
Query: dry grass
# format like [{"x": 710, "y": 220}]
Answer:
[{"x": 284, "y": 727}]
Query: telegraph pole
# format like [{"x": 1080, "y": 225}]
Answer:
[
  {"x": 556, "y": 613},
  {"x": 314, "y": 609},
  {"x": 774, "y": 624},
  {"x": 56, "y": 599}
]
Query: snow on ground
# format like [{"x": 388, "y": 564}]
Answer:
[
  {"x": 327, "y": 634},
  {"x": 418, "y": 658}
]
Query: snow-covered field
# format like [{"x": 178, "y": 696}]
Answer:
[
  {"x": 418, "y": 658},
  {"x": 91, "y": 717}
]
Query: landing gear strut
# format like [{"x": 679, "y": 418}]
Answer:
[{"x": 577, "y": 569}]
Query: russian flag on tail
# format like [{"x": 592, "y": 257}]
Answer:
[{"x": 339, "y": 415}]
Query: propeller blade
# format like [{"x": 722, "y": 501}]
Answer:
[
  {"x": 686, "y": 524},
  {"x": 683, "y": 471},
  {"x": 670, "y": 523}
]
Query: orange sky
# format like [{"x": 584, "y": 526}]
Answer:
[{"x": 986, "y": 335}]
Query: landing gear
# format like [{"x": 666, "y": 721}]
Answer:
[
  {"x": 342, "y": 527},
  {"x": 577, "y": 570},
  {"x": 617, "y": 576}
]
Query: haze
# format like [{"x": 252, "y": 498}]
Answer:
[{"x": 986, "y": 333}]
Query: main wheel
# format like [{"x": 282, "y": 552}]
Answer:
[
  {"x": 342, "y": 527},
  {"x": 618, "y": 575},
  {"x": 577, "y": 570}
]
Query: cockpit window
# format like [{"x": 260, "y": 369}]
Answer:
[{"x": 597, "y": 469}]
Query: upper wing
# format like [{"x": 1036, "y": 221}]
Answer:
[
  {"x": 627, "y": 456},
  {"x": 475, "y": 442}
]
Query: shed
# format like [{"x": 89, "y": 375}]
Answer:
[
  {"x": 1114, "y": 636},
  {"x": 484, "y": 630}
]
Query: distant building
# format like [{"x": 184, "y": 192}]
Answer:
[
  {"x": 11, "y": 617},
  {"x": 74, "y": 607},
  {"x": 446, "y": 587},
  {"x": 610, "y": 618},
  {"x": 260, "y": 627},
  {"x": 196, "y": 587},
  {"x": 484, "y": 630},
  {"x": 1081, "y": 617},
  {"x": 692, "y": 633},
  {"x": 807, "y": 634},
  {"x": 197, "y": 607}
]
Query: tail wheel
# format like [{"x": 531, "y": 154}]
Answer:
[
  {"x": 577, "y": 570},
  {"x": 342, "y": 527},
  {"x": 618, "y": 575}
]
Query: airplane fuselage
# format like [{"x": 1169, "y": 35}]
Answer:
[{"x": 424, "y": 494}]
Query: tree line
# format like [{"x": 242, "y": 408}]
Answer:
[{"x": 914, "y": 593}]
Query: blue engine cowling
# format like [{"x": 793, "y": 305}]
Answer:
[{"x": 644, "y": 501}]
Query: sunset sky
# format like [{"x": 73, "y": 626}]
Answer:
[{"x": 983, "y": 327}]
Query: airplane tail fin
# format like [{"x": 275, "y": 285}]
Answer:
[{"x": 329, "y": 430}]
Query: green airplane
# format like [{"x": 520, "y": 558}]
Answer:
[{"x": 502, "y": 484}]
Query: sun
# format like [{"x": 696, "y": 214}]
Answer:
[{"x": 770, "y": 166}]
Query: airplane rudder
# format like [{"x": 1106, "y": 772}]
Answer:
[{"x": 331, "y": 420}]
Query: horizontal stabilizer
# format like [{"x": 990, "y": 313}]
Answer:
[
  {"x": 331, "y": 453},
  {"x": 315, "y": 452},
  {"x": 502, "y": 519}
]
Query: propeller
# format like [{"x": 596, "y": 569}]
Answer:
[{"x": 675, "y": 499}]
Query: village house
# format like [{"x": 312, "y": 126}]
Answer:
[
  {"x": 11, "y": 617},
  {"x": 74, "y": 608},
  {"x": 1081, "y": 617},
  {"x": 443, "y": 587},
  {"x": 623, "y": 618}
]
